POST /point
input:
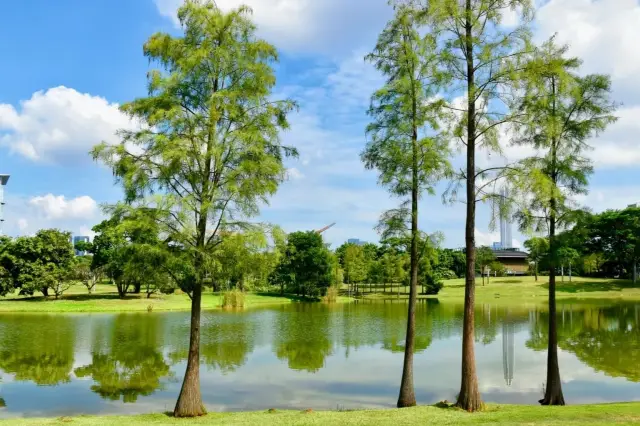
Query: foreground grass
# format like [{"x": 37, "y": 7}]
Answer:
[
  {"x": 604, "y": 414},
  {"x": 105, "y": 299},
  {"x": 526, "y": 289}
]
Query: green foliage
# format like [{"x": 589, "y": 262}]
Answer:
[
  {"x": 305, "y": 267},
  {"x": 484, "y": 258},
  {"x": 331, "y": 296},
  {"x": 497, "y": 269},
  {"x": 42, "y": 263},
  {"x": 538, "y": 249},
  {"x": 355, "y": 264}
]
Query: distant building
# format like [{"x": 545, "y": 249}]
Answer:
[
  {"x": 76, "y": 240},
  {"x": 356, "y": 241},
  {"x": 497, "y": 246},
  {"x": 508, "y": 351},
  {"x": 515, "y": 261},
  {"x": 634, "y": 205},
  {"x": 3, "y": 181}
]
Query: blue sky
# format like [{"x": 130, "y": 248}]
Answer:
[{"x": 68, "y": 64}]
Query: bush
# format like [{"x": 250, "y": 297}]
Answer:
[
  {"x": 331, "y": 296},
  {"x": 447, "y": 274},
  {"x": 233, "y": 299},
  {"x": 433, "y": 285}
]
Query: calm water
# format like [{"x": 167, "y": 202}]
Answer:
[{"x": 309, "y": 356}]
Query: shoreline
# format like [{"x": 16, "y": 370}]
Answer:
[{"x": 592, "y": 414}]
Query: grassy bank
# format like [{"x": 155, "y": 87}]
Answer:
[
  {"x": 105, "y": 299},
  {"x": 605, "y": 414},
  {"x": 526, "y": 289}
]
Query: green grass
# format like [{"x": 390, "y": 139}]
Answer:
[
  {"x": 105, "y": 299},
  {"x": 604, "y": 414},
  {"x": 526, "y": 289}
]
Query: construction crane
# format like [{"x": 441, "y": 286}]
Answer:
[{"x": 320, "y": 231}]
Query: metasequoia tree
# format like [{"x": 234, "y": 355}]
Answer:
[
  {"x": 207, "y": 153},
  {"x": 403, "y": 145},
  {"x": 478, "y": 56},
  {"x": 561, "y": 112}
]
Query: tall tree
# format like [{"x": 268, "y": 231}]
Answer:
[
  {"x": 475, "y": 51},
  {"x": 209, "y": 152},
  {"x": 561, "y": 112},
  {"x": 403, "y": 146},
  {"x": 538, "y": 248},
  {"x": 484, "y": 257}
]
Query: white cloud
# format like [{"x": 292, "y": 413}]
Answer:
[
  {"x": 23, "y": 224},
  {"x": 603, "y": 33},
  {"x": 60, "y": 125},
  {"x": 305, "y": 26},
  {"x": 488, "y": 238},
  {"x": 58, "y": 207},
  {"x": 294, "y": 173}
]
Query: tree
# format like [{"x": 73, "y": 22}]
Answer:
[
  {"x": 538, "y": 249},
  {"x": 567, "y": 257},
  {"x": 484, "y": 257},
  {"x": 474, "y": 51},
  {"x": 306, "y": 265},
  {"x": 208, "y": 153},
  {"x": 81, "y": 271},
  {"x": 561, "y": 111},
  {"x": 41, "y": 262},
  {"x": 355, "y": 264},
  {"x": 403, "y": 145}
]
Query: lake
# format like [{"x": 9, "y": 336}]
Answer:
[{"x": 316, "y": 356}]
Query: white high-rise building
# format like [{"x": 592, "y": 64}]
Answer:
[
  {"x": 506, "y": 240},
  {"x": 3, "y": 181}
]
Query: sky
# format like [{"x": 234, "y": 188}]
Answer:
[{"x": 67, "y": 66}]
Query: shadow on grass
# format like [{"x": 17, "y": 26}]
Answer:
[
  {"x": 577, "y": 286},
  {"x": 72, "y": 297},
  {"x": 511, "y": 281},
  {"x": 292, "y": 297}
]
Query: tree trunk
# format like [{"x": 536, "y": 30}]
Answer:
[
  {"x": 407, "y": 397},
  {"x": 136, "y": 287},
  {"x": 553, "y": 392},
  {"x": 45, "y": 291},
  {"x": 562, "y": 272},
  {"x": 469, "y": 396},
  {"x": 190, "y": 399},
  {"x": 569, "y": 272},
  {"x": 536, "y": 270}
]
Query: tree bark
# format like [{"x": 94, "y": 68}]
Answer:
[
  {"x": 407, "y": 397},
  {"x": 469, "y": 396},
  {"x": 45, "y": 291},
  {"x": 536, "y": 270},
  {"x": 553, "y": 391},
  {"x": 136, "y": 287},
  {"x": 190, "y": 399}
]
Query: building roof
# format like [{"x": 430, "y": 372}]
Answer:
[{"x": 510, "y": 254}]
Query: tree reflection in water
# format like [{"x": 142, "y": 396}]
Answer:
[{"x": 129, "y": 363}]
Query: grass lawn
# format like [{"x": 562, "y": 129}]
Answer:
[
  {"x": 528, "y": 290},
  {"x": 105, "y": 299},
  {"x": 605, "y": 414}
]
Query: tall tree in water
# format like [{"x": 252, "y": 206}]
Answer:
[
  {"x": 208, "y": 153},
  {"x": 409, "y": 157},
  {"x": 474, "y": 50},
  {"x": 561, "y": 112}
]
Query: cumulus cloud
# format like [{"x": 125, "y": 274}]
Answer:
[
  {"x": 58, "y": 207},
  {"x": 603, "y": 33},
  {"x": 60, "y": 125},
  {"x": 307, "y": 26}
]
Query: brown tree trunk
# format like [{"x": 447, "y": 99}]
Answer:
[
  {"x": 190, "y": 399},
  {"x": 536, "y": 270},
  {"x": 407, "y": 397},
  {"x": 469, "y": 396},
  {"x": 553, "y": 391},
  {"x": 45, "y": 291}
]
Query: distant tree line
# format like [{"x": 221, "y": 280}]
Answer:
[{"x": 603, "y": 245}]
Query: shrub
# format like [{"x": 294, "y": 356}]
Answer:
[
  {"x": 233, "y": 299},
  {"x": 331, "y": 296},
  {"x": 433, "y": 284}
]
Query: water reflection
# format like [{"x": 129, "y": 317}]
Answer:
[
  {"x": 36, "y": 348},
  {"x": 127, "y": 360},
  {"x": 303, "y": 355}
]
